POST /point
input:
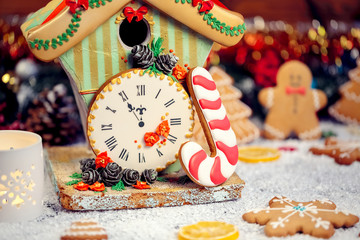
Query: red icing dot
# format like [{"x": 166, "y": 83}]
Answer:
[
  {"x": 126, "y": 60},
  {"x": 231, "y": 28},
  {"x": 186, "y": 65},
  {"x": 36, "y": 45},
  {"x": 122, "y": 58},
  {"x": 171, "y": 50},
  {"x": 78, "y": 16},
  {"x": 135, "y": 141}
]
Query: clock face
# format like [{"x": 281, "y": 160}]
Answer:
[{"x": 140, "y": 119}]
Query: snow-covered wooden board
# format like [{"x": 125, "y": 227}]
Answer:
[{"x": 64, "y": 161}]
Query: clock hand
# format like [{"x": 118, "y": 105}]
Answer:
[
  {"x": 132, "y": 109},
  {"x": 136, "y": 116}
]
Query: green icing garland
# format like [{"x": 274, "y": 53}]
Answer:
[
  {"x": 69, "y": 32},
  {"x": 74, "y": 25},
  {"x": 97, "y": 3},
  {"x": 217, "y": 24}
]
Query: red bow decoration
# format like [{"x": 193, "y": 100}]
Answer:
[
  {"x": 75, "y": 5},
  {"x": 130, "y": 13},
  {"x": 205, "y": 5},
  {"x": 299, "y": 90}
]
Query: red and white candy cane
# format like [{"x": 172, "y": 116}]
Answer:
[{"x": 215, "y": 169}]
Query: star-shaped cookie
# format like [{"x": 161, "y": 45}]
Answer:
[{"x": 284, "y": 217}]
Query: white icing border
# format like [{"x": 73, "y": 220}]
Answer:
[
  {"x": 310, "y": 133},
  {"x": 274, "y": 131},
  {"x": 316, "y": 100}
]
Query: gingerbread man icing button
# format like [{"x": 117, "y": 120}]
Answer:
[
  {"x": 292, "y": 104},
  {"x": 215, "y": 169}
]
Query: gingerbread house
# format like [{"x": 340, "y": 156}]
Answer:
[{"x": 93, "y": 38}]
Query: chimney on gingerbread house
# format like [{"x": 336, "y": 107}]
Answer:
[{"x": 93, "y": 39}]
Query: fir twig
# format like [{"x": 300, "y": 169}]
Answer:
[
  {"x": 173, "y": 78},
  {"x": 119, "y": 186},
  {"x": 76, "y": 175},
  {"x": 72, "y": 182},
  {"x": 153, "y": 69},
  {"x": 184, "y": 179},
  {"x": 156, "y": 46},
  {"x": 162, "y": 179}
]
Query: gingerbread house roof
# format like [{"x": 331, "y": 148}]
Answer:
[{"x": 53, "y": 30}]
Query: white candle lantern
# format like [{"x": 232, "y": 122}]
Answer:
[{"x": 21, "y": 175}]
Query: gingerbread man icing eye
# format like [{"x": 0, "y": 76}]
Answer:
[
  {"x": 296, "y": 81},
  {"x": 294, "y": 73}
]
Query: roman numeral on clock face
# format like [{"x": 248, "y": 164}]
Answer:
[
  {"x": 169, "y": 103},
  {"x": 172, "y": 138},
  {"x": 175, "y": 121},
  {"x": 124, "y": 155},
  {"x": 123, "y": 96},
  {"x": 112, "y": 110},
  {"x": 141, "y": 158},
  {"x": 159, "y": 153},
  {"x": 105, "y": 127},
  {"x": 157, "y": 94},
  {"x": 111, "y": 143},
  {"x": 140, "y": 90}
]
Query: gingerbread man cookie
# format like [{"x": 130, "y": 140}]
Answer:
[
  {"x": 292, "y": 104},
  {"x": 284, "y": 217},
  {"x": 344, "y": 152}
]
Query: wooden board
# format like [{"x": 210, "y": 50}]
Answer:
[{"x": 64, "y": 161}]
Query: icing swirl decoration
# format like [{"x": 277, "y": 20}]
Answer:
[
  {"x": 130, "y": 177},
  {"x": 90, "y": 176},
  {"x": 149, "y": 176},
  {"x": 87, "y": 163},
  {"x": 111, "y": 174}
]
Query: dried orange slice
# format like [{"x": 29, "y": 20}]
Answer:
[
  {"x": 255, "y": 154},
  {"x": 209, "y": 230}
]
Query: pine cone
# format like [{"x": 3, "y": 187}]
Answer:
[
  {"x": 142, "y": 56},
  {"x": 111, "y": 174},
  {"x": 149, "y": 176},
  {"x": 130, "y": 177},
  {"x": 166, "y": 63},
  {"x": 53, "y": 115},
  {"x": 90, "y": 176}
]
